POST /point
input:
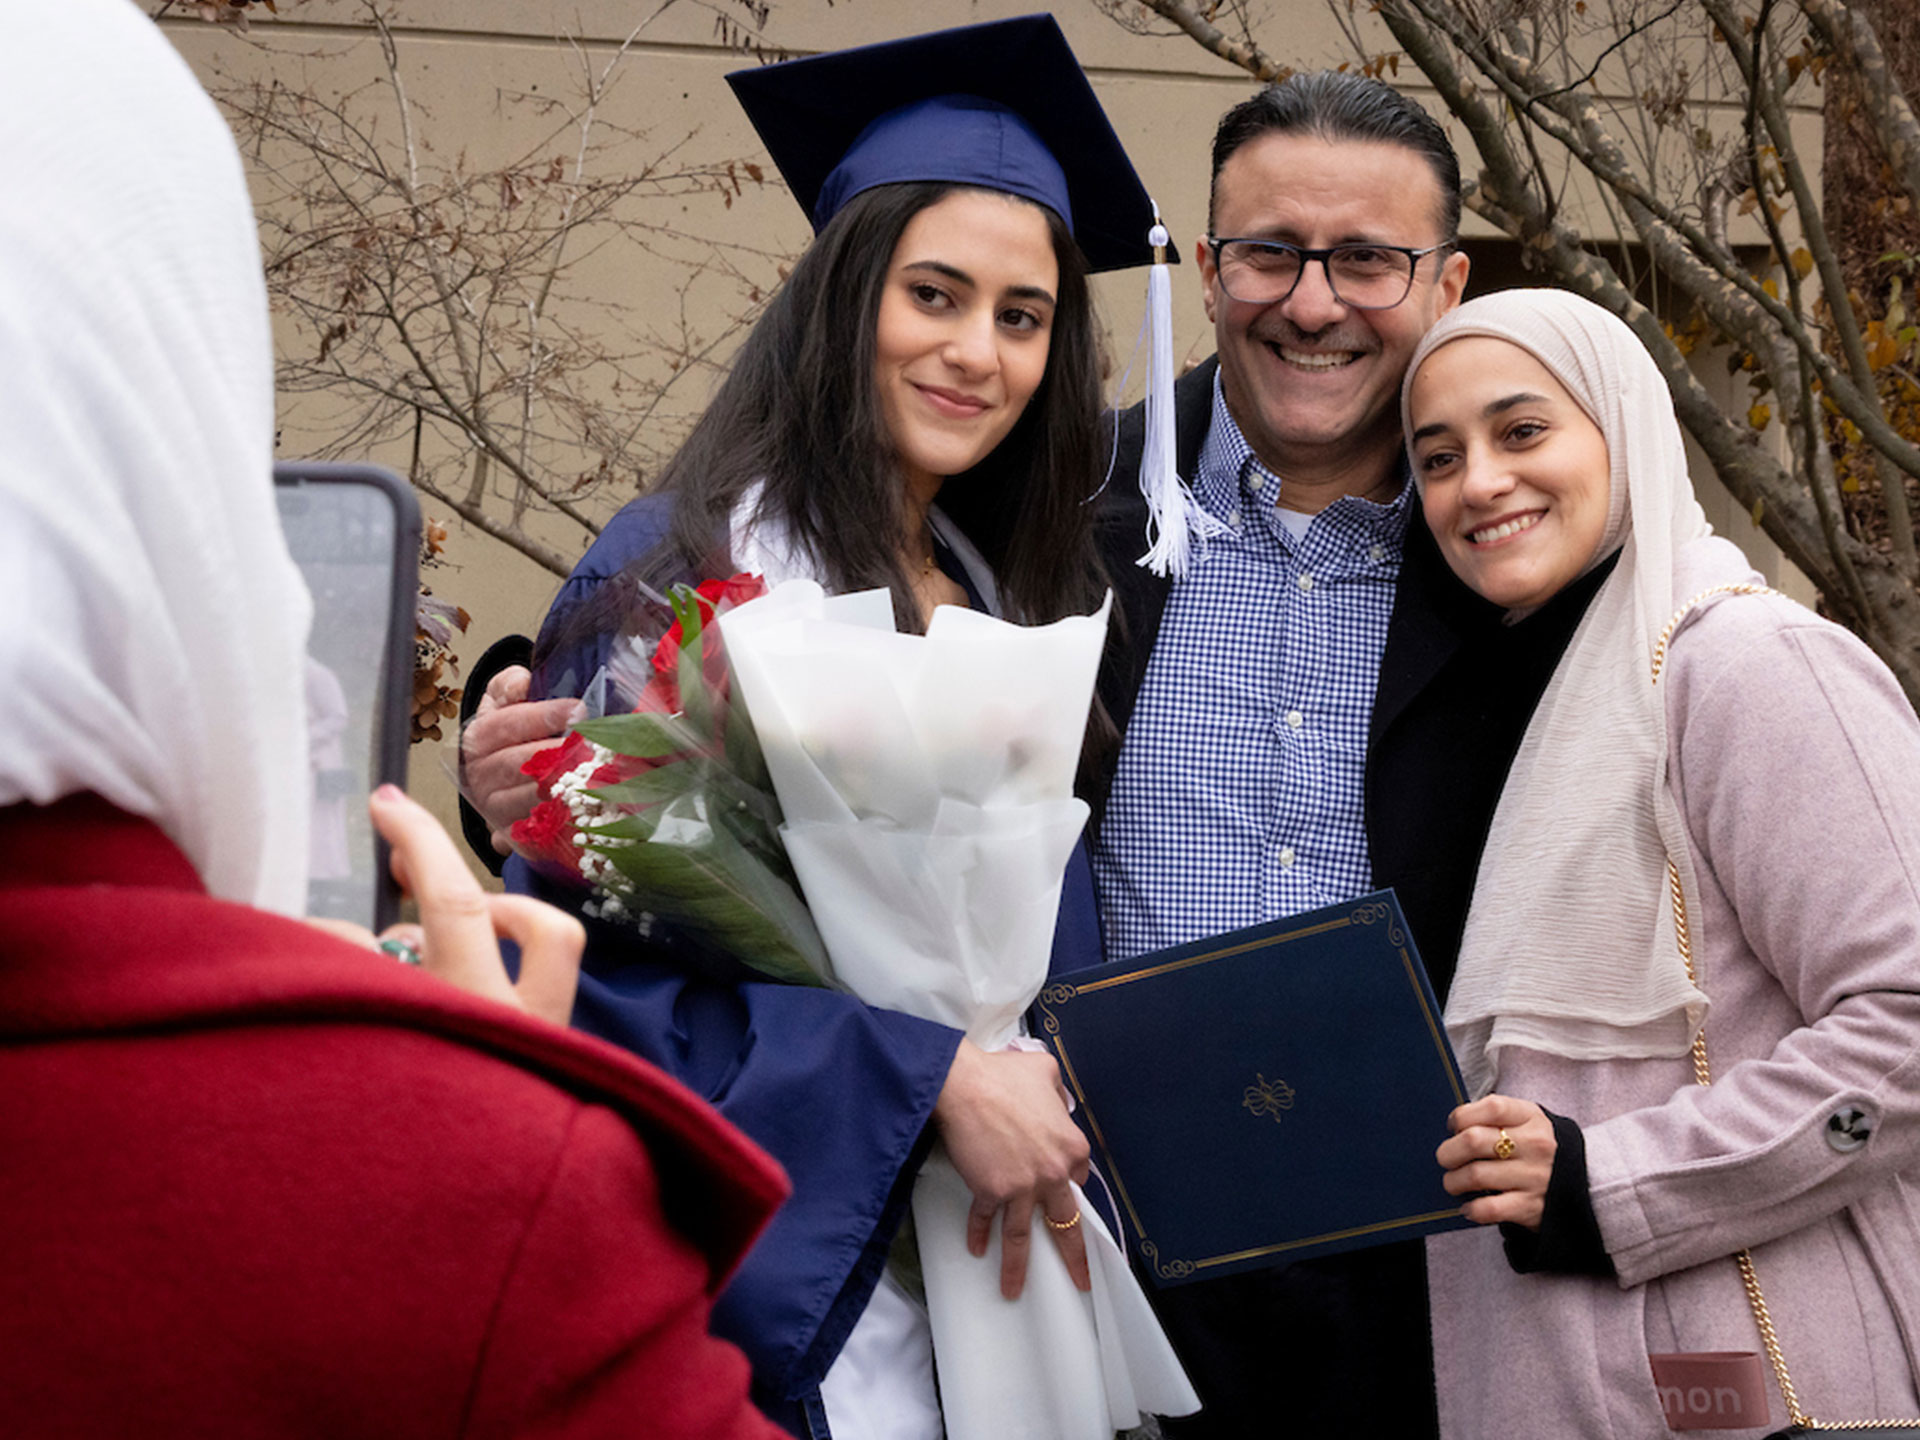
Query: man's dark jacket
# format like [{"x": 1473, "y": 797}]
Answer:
[{"x": 1343, "y": 1340}]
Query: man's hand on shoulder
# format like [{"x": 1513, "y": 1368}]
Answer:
[{"x": 505, "y": 732}]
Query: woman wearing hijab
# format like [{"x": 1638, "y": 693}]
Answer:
[
  {"x": 1705, "y": 866},
  {"x": 260, "y": 1181}
]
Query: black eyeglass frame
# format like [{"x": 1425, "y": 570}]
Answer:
[{"x": 1325, "y": 257}]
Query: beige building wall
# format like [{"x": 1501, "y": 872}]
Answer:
[{"x": 476, "y": 70}]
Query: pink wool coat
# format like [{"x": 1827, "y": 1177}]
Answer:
[{"x": 1796, "y": 764}]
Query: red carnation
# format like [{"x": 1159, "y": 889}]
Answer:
[
  {"x": 545, "y": 838},
  {"x": 547, "y": 766}
]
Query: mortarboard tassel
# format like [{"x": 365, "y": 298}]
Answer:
[{"x": 1175, "y": 521}]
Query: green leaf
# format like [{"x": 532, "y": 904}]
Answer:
[
  {"x": 742, "y": 744},
  {"x": 638, "y": 826},
  {"x": 697, "y": 875},
  {"x": 649, "y": 787},
  {"x": 646, "y": 737},
  {"x": 690, "y": 673}
]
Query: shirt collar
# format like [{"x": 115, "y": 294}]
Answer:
[{"x": 1226, "y": 460}]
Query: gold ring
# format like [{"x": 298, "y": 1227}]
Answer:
[
  {"x": 1503, "y": 1147},
  {"x": 1053, "y": 1224}
]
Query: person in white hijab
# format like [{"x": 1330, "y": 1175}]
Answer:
[
  {"x": 155, "y": 625},
  {"x": 154, "y": 649},
  {"x": 1700, "y": 722},
  {"x": 262, "y": 1182}
]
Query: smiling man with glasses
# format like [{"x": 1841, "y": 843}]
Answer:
[{"x": 1273, "y": 693}]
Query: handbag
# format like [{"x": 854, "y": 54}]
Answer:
[{"x": 1800, "y": 1423}]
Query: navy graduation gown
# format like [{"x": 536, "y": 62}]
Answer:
[{"x": 836, "y": 1090}]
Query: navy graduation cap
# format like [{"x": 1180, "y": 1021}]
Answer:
[{"x": 1002, "y": 106}]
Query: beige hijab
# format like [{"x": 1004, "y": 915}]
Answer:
[
  {"x": 155, "y": 627},
  {"x": 1569, "y": 945}
]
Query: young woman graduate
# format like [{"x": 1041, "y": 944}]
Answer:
[
  {"x": 936, "y": 339},
  {"x": 1705, "y": 867}
]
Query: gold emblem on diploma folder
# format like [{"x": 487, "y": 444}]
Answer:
[{"x": 1268, "y": 1097}]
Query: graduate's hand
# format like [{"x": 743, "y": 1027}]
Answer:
[
  {"x": 1003, "y": 1117},
  {"x": 506, "y": 731},
  {"x": 460, "y": 924},
  {"x": 1471, "y": 1160}
]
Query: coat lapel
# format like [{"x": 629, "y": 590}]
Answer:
[{"x": 1432, "y": 614}]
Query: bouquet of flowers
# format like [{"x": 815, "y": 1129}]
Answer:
[
  {"x": 667, "y": 811},
  {"x": 918, "y": 790}
]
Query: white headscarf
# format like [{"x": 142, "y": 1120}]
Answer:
[
  {"x": 1569, "y": 945},
  {"x": 154, "y": 625}
]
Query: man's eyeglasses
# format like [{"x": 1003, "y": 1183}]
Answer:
[{"x": 1366, "y": 277}]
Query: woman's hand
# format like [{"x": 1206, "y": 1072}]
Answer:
[
  {"x": 457, "y": 937},
  {"x": 1003, "y": 1117},
  {"x": 1473, "y": 1160}
]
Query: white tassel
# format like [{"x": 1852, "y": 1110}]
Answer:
[{"x": 1176, "y": 525}]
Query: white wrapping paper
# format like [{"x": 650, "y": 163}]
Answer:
[{"x": 927, "y": 783}]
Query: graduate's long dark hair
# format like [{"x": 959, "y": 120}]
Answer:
[{"x": 800, "y": 411}]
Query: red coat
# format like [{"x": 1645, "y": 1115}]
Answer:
[{"x": 261, "y": 1182}]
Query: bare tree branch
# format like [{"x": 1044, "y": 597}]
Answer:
[
  {"x": 1645, "y": 100},
  {"x": 1235, "y": 52},
  {"x": 436, "y": 303}
]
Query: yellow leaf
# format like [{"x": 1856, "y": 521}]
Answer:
[
  {"x": 1773, "y": 290},
  {"x": 1759, "y": 508},
  {"x": 1759, "y": 415},
  {"x": 1802, "y": 262}
]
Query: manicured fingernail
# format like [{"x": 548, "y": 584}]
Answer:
[
  {"x": 387, "y": 794},
  {"x": 577, "y": 713}
]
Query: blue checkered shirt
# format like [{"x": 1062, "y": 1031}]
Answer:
[{"x": 1238, "y": 797}]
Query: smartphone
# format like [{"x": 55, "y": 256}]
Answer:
[{"x": 354, "y": 531}]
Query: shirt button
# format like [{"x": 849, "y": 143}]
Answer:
[
  {"x": 1254, "y": 482},
  {"x": 1233, "y": 518},
  {"x": 1295, "y": 719},
  {"x": 1305, "y": 582},
  {"x": 1848, "y": 1129},
  {"x": 1376, "y": 553},
  {"x": 1286, "y": 858}
]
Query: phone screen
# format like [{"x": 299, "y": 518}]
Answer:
[{"x": 354, "y": 531}]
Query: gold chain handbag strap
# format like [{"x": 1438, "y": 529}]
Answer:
[
  {"x": 1673, "y": 624},
  {"x": 1703, "y": 1074}
]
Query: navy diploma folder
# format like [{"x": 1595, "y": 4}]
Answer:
[{"x": 1265, "y": 1095}]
